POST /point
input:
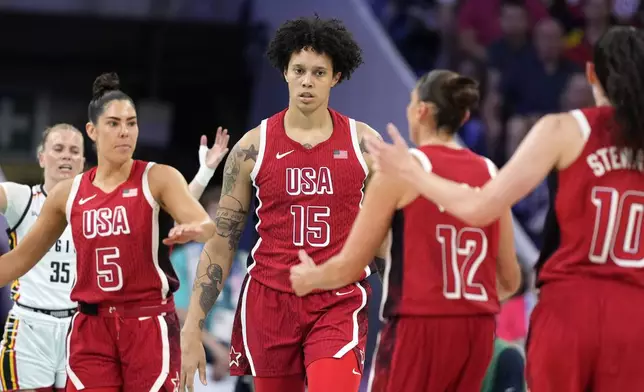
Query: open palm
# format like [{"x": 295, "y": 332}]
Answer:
[{"x": 215, "y": 154}]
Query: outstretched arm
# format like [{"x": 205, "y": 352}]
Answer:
[
  {"x": 219, "y": 251},
  {"x": 49, "y": 226},
  {"x": 368, "y": 232},
  {"x": 170, "y": 189},
  {"x": 539, "y": 152},
  {"x": 382, "y": 253}
]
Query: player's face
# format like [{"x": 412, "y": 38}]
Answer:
[
  {"x": 310, "y": 77},
  {"x": 117, "y": 130},
  {"x": 62, "y": 155}
]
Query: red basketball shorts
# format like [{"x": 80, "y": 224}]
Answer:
[
  {"x": 587, "y": 335},
  {"x": 279, "y": 334},
  {"x": 138, "y": 354},
  {"x": 448, "y": 354}
]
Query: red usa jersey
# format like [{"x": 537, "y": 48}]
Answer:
[
  {"x": 595, "y": 225},
  {"x": 439, "y": 265},
  {"x": 304, "y": 198},
  {"x": 116, "y": 236}
]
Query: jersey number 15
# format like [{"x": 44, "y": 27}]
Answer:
[{"x": 310, "y": 226}]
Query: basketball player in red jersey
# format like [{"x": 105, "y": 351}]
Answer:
[
  {"x": 125, "y": 336},
  {"x": 440, "y": 293},
  {"x": 586, "y": 330},
  {"x": 308, "y": 170}
]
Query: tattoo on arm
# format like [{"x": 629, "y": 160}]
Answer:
[
  {"x": 230, "y": 221},
  {"x": 363, "y": 146},
  {"x": 209, "y": 284},
  {"x": 233, "y": 166}
]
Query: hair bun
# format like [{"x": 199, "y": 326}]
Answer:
[
  {"x": 463, "y": 92},
  {"x": 105, "y": 83}
]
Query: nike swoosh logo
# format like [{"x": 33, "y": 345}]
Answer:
[
  {"x": 354, "y": 371},
  {"x": 83, "y": 201},
  {"x": 280, "y": 156},
  {"x": 339, "y": 294}
]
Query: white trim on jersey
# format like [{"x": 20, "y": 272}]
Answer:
[
  {"x": 353, "y": 129},
  {"x": 78, "y": 384},
  {"x": 244, "y": 323},
  {"x": 355, "y": 339},
  {"x": 491, "y": 167},
  {"x": 422, "y": 159},
  {"x": 385, "y": 279},
  {"x": 73, "y": 191},
  {"x": 582, "y": 121},
  {"x": 374, "y": 357},
  {"x": 261, "y": 149},
  {"x": 165, "y": 286},
  {"x": 244, "y": 299},
  {"x": 165, "y": 352}
]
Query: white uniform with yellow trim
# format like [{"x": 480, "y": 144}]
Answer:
[{"x": 33, "y": 345}]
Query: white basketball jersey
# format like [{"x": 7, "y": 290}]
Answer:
[{"x": 48, "y": 284}]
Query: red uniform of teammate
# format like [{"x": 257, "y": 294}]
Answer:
[
  {"x": 125, "y": 337},
  {"x": 440, "y": 293},
  {"x": 585, "y": 332},
  {"x": 117, "y": 242},
  {"x": 321, "y": 189},
  {"x": 308, "y": 171}
]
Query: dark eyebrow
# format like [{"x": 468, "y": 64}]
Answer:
[{"x": 119, "y": 119}]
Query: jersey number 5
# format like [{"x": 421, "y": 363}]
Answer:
[
  {"x": 109, "y": 273},
  {"x": 463, "y": 251},
  {"x": 310, "y": 226},
  {"x": 618, "y": 227}
]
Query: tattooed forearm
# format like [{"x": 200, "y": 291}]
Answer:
[
  {"x": 230, "y": 220},
  {"x": 210, "y": 284}
]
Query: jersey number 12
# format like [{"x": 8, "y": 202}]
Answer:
[{"x": 463, "y": 251}]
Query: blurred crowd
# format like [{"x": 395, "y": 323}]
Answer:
[{"x": 529, "y": 56}]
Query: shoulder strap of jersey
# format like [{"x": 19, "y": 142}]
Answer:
[{"x": 11, "y": 231}]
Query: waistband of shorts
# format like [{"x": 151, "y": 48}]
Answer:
[
  {"x": 128, "y": 310},
  {"x": 58, "y": 313}
]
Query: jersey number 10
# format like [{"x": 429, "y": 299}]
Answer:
[
  {"x": 463, "y": 251},
  {"x": 618, "y": 227}
]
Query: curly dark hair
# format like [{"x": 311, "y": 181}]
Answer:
[
  {"x": 324, "y": 36},
  {"x": 619, "y": 64}
]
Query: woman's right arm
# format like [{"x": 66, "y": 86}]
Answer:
[{"x": 48, "y": 228}]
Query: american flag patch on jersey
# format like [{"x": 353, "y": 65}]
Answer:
[
  {"x": 340, "y": 154},
  {"x": 132, "y": 192}
]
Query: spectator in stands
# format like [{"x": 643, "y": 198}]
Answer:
[
  {"x": 533, "y": 86},
  {"x": 578, "y": 93},
  {"x": 479, "y": 23},
  {"x": 219, "y": 324},
  {"x": 580, "y": 42},
  {"x": 502, "y": 56}
]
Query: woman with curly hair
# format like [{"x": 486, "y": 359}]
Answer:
[{"x": 308, "y": 171}]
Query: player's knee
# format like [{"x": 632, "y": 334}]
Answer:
[{"x": 334, "y": 374}]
